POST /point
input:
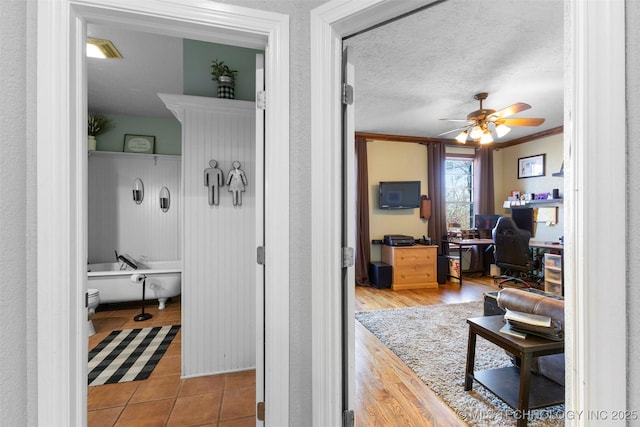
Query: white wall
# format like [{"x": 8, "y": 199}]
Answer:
[
  {"x": 219, "y": 242},
  {"x": 117, "y": 223}
]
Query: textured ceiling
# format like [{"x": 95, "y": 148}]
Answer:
[
  {"x": 410, "y": 73},
  {"x": 425, "y": 67}
]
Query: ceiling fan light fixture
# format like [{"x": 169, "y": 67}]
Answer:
[
  {"x": 462, "y": 137},
  {"x": 486, "y": 137},
  {"x": 502, "y": 130},
  {"x": 476, "y": 132}
]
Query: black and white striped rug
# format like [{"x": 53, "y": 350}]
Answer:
[{"x": 129, "y": 355}]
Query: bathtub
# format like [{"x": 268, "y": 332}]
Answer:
[{"x": 163, "y": 281}]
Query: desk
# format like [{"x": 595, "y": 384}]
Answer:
[
  {"x": 464, "y": 243},
  {"x": 533, "y": 391}
]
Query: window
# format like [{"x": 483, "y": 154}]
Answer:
[{"x": 459, "y": 192}]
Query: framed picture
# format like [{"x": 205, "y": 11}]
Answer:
[
  {"x": 529, "y": 167},
  {"x": 139, "y": 143}
]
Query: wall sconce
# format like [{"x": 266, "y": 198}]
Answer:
[
  {"x": 138, "y": 191},
  {"x": 165, "y": 199}
]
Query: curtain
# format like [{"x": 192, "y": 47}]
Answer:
[
  {"x": 363, "y": 245},
  {"x": 483, "y": 179},
  {"x": 436, "y": 157}
]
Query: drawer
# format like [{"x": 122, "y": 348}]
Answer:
[
  {"x": 552, "y": 260},
  {"x": 416, "y": 274},
  {"x": 553, "y": 288},
  {"x": 414, "y": 256},
  {"x": 551, "y": 275}
]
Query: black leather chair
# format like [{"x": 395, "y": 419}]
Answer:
[{"x": 512, "y": 254}]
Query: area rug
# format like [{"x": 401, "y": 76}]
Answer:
[
  {"x": 129, "y": 355},
  {"x": 432, "y": 341}
]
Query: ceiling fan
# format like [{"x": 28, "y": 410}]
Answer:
[{"x": 480, "y": 124}]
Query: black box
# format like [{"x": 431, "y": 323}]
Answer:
[
  {"x": 443, "y": 266},
  {"x": 380, "y": 275}
]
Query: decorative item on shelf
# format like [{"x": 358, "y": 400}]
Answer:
[
  {"x": 138, "y": 191},
  {"x": 139, "y": 143},
  {"x": 165, "y": 199},
  {"x": 213, "y": 179},
  {"x": 236, "y": 180},
  {"x": 225, "y": 77},
  {"x": 97, "y": 124}
]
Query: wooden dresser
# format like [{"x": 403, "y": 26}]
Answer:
[{"x": 413, "y": 267}]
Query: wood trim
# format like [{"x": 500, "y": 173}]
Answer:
[{"x": 452, "y": 142}]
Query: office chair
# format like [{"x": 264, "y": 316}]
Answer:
[{"x": 512, "y": 254}]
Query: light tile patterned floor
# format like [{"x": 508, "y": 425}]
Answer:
[{"x": 164, "y": 399}]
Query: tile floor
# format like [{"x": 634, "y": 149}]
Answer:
[{"x": 164, "y": 399}]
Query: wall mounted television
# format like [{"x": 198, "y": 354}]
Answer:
[{"x": 399, "y": 194}]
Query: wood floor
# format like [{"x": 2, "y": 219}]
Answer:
[{"x": 388, "y": 393}]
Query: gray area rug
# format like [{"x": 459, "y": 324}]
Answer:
[{"x": 432, "y": 341}]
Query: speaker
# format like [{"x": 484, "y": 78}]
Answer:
[
  {"x": 443, "y": 267},
  {"x": 380, "y": 275}
]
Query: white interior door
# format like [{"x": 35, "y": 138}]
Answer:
[
  {"x": 260, "y": 267},
  {"x": 348, "y": 240}
]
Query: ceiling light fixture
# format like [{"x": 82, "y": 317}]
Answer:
[
  {"x": 486, "y": 137},
  {"x": 101, "y": 48},
  {"x": 502, "y": 130},
  {"x": 476, "y": 132},
  {"x": 462, "y": 137}
]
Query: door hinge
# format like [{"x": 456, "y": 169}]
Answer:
[
  {"x": 347, "y": 94},
  {"x": 260, "y": 411},
  {"x": 261, "y": 99},
  {"x": 260, "y": 255},
  {"x": 348, "y": 418},
  {"x": 347, "y": 257}
]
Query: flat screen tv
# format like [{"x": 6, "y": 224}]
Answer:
[
  {"x": 523, "y": 217},
  {"x": 399, "y": 195}
]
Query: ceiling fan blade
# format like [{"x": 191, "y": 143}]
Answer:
[
  {"x": 449, "y": 131},
  {"x": 458, "y": 120},
  {"x": 510, "y": 110},
  {"x": 521, "y": 122}
]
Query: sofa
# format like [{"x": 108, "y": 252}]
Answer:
[{"x": 552, "y": 366}]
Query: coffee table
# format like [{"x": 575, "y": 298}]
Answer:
[{"x": 517, "y": 387}]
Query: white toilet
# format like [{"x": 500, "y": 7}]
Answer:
[{"x": 93, "y": 299}]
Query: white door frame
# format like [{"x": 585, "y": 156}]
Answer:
[
  {"x": 594, "y": 179},
  {"x": 62, "y": 173}
]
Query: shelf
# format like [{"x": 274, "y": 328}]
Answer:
[
  {"x": 515, "y": 203},
  {"x": 127, "y": 154}
]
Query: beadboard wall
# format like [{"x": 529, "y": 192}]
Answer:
[
  {"x": 117, "y": 223},
  {"x": 219, "y": 246}
]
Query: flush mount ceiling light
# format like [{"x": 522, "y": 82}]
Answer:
[
  {"x": 477, "y": 122},
  {"x": 101, "y": 48}
]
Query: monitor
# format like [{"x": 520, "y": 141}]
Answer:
[
  {"x": 399, "y": 195},
  {"x": 523, "y": 217},
  {"x": 485, "y": 224}
]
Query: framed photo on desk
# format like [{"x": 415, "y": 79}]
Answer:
[{"x": 532, "y": 166}]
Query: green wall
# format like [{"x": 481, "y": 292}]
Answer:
[
  {"x": 168, "y": 133},
  {"x": 197, "y": 57}
]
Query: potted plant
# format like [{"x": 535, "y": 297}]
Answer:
[
  {"x": 225, "y": 77},
  {"x": 97, "y": 124}
]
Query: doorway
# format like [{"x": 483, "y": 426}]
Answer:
[
  {"x": 330, "y": 23},
  {"x": 62, "y": 239}
]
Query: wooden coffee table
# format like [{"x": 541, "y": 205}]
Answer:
[{"x": 515, "y": 386}]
